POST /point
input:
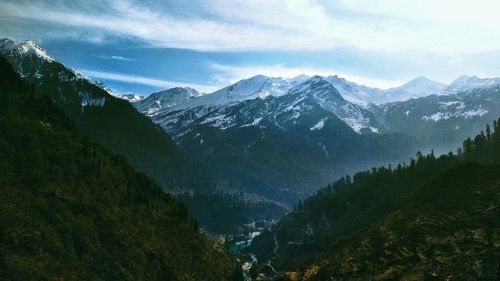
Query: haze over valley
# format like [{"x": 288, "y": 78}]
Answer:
[{"x": 254, "y": 140}]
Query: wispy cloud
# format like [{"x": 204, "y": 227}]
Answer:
[
  {"x": 440, "y": 39},
  {"x": 226, "y": 74},
  {"x": 119, "y": 58},
  {"x": 422, "y": 27},
  {"x": 130, "y": 78}
]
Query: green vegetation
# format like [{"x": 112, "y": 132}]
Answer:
[
  {"x": 225, "y": 213},
  {"x": 337, "y": 213},
  {"x": 449, "y": 229},
  {"x": 115, "y": 124},
  {"x": 72, "y": 210}
]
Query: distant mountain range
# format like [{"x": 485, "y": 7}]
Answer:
[
  {"x": 73, "y": 207},
  {"x": 114, "y": 123},
  {"x": 279, "y": 138},
  {"x": 292, "y": 134},
  {"x": 177, "y": 108}
]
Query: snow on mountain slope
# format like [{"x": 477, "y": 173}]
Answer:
[
  {"x": 255, "y": 87},
  {"x": 418, "y": 87},
  {"x": 313, "y": 97},
  {"x": 358, "y": 94},
  {"x": 353, "y": 104},
  {"x": 132, "y": 98},
  {"x": 175, "y": 111},
  {"x": 25, "y": 47},
  {"x": 363, "y": 95},
  {"x": 323, "y": 93},
  {"x": 165, "y": 99},
  {"x": 466, "y": 83}
]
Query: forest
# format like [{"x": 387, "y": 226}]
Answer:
[
  {"x": 72, "y": 210},
  {"x": 324, "y": 225}
]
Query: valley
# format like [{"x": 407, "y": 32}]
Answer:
[
  {"x": 304, "y": 178},
  {"x": 282, "y": 138}
]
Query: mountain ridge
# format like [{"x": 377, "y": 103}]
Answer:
[
  {"x": 106, "y": 119},
  {"x": 70, "y": 209}
]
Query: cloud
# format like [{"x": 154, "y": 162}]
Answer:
[
  {"x": 135, "y": 79},
  {"x": 120, "y": 58},
  {"x": 416, "y": 28},
  {"x": 225, "y": 74}
]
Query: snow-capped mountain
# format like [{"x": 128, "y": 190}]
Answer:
[
  {"x": 273, "y": 136},
  {"x": 465, "y": 83},
  {"x": 441, "y": 121},
  {"x": 312, "y": 96},
  {"x": 255, "y": 87},
  {"x": 418, "y": 87},
  {"x": 165, "y": 100},
  {"x": 176, "y": 108},
  {"x": 255, "y": 130},
  {"x": 355, "y": 93},
  {"x": 363, "y": 95},
  {"x": 25, "y": 48},
  {"x": 132, "y": 98}
]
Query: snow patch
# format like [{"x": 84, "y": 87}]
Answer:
[
  {"x": 469, "y": 114},
  {"x": 255, "y": 122},
  {"x": 455, "y": 104},
  {"x": 220, "y": 121},
  {"x": 474, "y": 112},
  {"x": 319, "y": 125}
]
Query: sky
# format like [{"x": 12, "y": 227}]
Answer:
[{"x": 139, "y": 47}]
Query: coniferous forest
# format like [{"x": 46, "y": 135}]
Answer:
[
  {"x": 430, "y": 218},
  {"x": 249, "y": 140},
  {"x": 72, "y": 210}
]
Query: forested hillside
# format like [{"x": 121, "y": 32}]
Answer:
[
  {"x": 449, "y": 229},
  {"x": 72, "y": 210},
  {"x": 107, "y": 120},
  {"x": 226, "y": 213},
  {"x": 337, "y": 212}
]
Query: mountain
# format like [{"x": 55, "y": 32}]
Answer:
[
  {"x": 106, "y": 119},
  {"x": 70, "y": 209},
  {"x": 239, "y": 128},
  {"x": 169, "y": 98},
  {"x": 358, "y": 94},
  {"x": 447, "y": 227},
  {"x": 363, "y": 95},
  {"x": 278, "y": 138},
  {"x": 441, "y": 122},
  {"x": 418, "y": 87},
  {"x": 398, "y": 223},
  {"x": 130, "y": 97},
  {"x": 167, "y": 110},
  {"x": 466, "y": 83},
  {"x": 110, "y": 120}
]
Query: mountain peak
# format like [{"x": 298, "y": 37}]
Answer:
[
  {"x": 421, "y": 78},
  {"x": 190, "y": 91},
  {"x": 422, "y": 81},
  {"x": 417, "y": 87},
  {"x": 465, "y": 83},
  {"x": 465, "y": 78},
  {"x": 166, "y": 99},
  {"x": 24, "y": 48}
]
